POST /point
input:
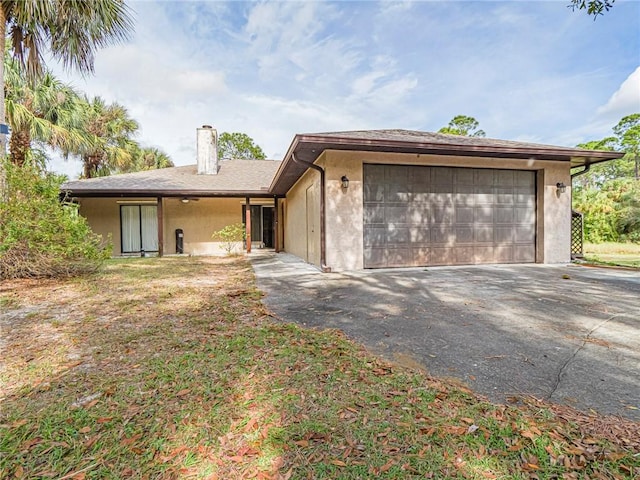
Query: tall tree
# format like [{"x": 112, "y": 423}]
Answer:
[
  {"x": 147, "y": 158},
  {"x": 463, "y": 125},
  {"x": 45, "y": 112},
  {"x": 112, "y": 130},
  {"x": 239, "y": 145},
  {"x": 593, "y": 7},
  {"x": 70, "y": 30},
  {"x": 628, "y": 133},
  {"x": 600, "y": 173}
]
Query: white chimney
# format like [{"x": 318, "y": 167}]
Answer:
[{"x": 207, "y": 150}]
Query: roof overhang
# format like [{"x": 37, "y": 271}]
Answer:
[
  {"x": 102, "y": 193},
  {"x": 308, "y": 147}
]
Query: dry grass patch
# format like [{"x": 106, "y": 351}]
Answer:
[
  {"x": 609, "y": 253},
  {"x": 171, "y": 368}
]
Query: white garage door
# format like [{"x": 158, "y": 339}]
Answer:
[{"x": 415, "y": 216}]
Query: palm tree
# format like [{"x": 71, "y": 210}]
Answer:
[
  {"x": 148, "y": 158},
  {"x": 71, "y": 31},
  {"x": 112, "y": 130},
  {"x": 46, "y": 111}
]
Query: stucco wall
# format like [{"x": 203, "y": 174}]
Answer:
[
  {"x": 302, "y": 220},
  {"x": 198, "y": 219},
  {"x": 103, "y": 216},
  {"x": 345, "y": 208}
]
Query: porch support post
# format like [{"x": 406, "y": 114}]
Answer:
[
  {"x": 248, "y": 223},
  {"x": 276, "y": 227},
  {"x": 160, "y": 228}
]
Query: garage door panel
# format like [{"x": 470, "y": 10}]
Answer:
[
  {"x": 397, "y": 193},
  {"x": 523, "y": 196},
  {"x": 448, "y": 215},
  {"x": 505, "y": 196},
  {"x": 443, "y": 214},
  {"x": 374, "y": 174},
  {"x": 464, "y": 235},
  {"x": 420, "y": 177},
  {"x": 524, "y": 254},
  {"x": 395, "y": 213},
  {"x": 484, "y": 254},
  {"x": 373, "y": 213},
  {"x": 418, "y": 214},
  {"x": 442, "y": 176},
  {"x": 375, "y": 236},
  {"x": 441, "y": 256},
  {"x": 397, "y": 235},
  {"x": 399, "y": 257},
  {"x": 396, "y": 174},
  {"x": 464, "y": 255},
  {"x": 524, "y": 215},
  {"x": 464, "y": 214},
  {"x": 484, "y": 196},
  {"x": 484, "y": 233},
  {"x": 503, "y": 253},
  {"x": 464, "y": 177},
  {"x": 483, "y": 214},
  {"x": 373, "y": 192},
  {"x": 420, "y": 256},
  {"x": 525, "y": 234},
  {"x": 523, "y": 178},
  {"x": 504, "y": 215},
  {"x": 485, "y": 177},
  {"x": 419, "y": 236},
  {"x": 504, "y": 235},
  {"x": 443, "y": 235},
  {"x": 504, "y": 177},
  {"x": 375, "y": 257}
]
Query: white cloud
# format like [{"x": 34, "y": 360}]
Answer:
[
  {"x": 271, "y": 69},
  {"x": 626, "y": 99}
]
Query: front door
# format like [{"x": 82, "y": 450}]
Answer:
[{"x": 262, "y": 226}]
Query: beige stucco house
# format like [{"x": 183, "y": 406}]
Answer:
[{"x": 353, "y": 200}]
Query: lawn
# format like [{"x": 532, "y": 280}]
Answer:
[
  {"x": 620, "y": 254},
  {"x": 173, "y": 369}
]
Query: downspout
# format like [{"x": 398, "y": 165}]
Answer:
[
  {"x": 323, "y": 254},
  {"x": 587, "y": 167}
]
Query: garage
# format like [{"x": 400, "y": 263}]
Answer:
[{"x": 425, "y": 215}]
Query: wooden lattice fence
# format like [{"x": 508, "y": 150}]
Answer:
[{"x": 577, "y": 235}]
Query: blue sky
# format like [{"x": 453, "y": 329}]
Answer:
[{"x": 527, "y": 70}]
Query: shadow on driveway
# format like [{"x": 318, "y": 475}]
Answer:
[{"x": 565, "y": 333}]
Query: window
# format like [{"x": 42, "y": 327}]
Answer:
[{"x": 139, "y": 228}]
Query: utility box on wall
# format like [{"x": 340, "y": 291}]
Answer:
[{"x": 179, "y": 240}]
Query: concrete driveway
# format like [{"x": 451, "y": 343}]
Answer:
[{"x": 565, "y": 333}]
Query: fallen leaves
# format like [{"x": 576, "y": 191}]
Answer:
[{"x": 195, "y": 382}]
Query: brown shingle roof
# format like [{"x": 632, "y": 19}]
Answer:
[
  {"x": 308, "y": 147},
  {"x": 234, "y": 178},
  {"x": 267, "y": 178}
]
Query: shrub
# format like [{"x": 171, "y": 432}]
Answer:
[
  {"x": 231, "y": 237},
  {"x": 42, "y": 235}
]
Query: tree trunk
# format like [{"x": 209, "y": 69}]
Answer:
[
  {"x": 19, "y": 145},
  {"x": 91, "y": 165},
  {"x": 3, "y": 115},
  {"x": 3, "y": 137}
]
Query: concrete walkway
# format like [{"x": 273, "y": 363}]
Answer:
[{"x": 564, "y": 333}]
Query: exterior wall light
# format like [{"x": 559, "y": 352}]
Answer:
[
  {"x": 344, "y": 181},
  {"x": 560, "y": 188},
  {"x": 184, "y": 200}
]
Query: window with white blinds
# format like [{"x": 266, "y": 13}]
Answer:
[{"x": 139, "y": 228}]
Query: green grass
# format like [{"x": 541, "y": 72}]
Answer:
[
  {"x": 172, "y": 368},
  {"x": 616, "y": 254}
]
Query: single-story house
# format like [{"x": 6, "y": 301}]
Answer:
[{"x": 353, "y": 200}]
